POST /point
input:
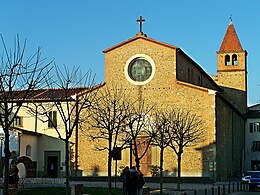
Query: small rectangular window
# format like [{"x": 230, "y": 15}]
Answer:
[
  {"x": 256, "y": 146},
  {"x": 251, "y": 126},
  {"x": 254, "y": 127},
  {"x": 52, "y": 122},
  {"x": 189, "y": 75},
  {"x": 18, "y": 121},
  {"x": 199, "y": 80}
]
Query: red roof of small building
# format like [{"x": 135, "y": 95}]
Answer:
[
  {"x": 49, "y": 94},
  {"x": 231, "y": 41}
]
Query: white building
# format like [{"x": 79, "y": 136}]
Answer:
[
  {"x": 252, "y": 139},
  {"x": 37, "y": 146}
]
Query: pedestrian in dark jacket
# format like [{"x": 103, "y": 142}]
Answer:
[
  {"x": 132, "y": 181},
  {"x": 141, "y": 183},
  {"x": 13, "y": 177},
  {"x": 123, "y": 178}
]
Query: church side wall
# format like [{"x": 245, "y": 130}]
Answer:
[
  {"x": 230, "y": 142},
  {"x": 188, "y": 71},
  {"x": 196, "y": 160}
]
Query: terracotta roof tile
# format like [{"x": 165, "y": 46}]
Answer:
[
  {"x": 231, "y": 41},
  {"x": 49, "y": 94}
]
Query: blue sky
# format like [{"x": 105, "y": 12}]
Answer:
[{"x": 75, "y": 32}]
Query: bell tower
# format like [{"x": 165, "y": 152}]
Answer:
[{"x": 232, "y": 69}]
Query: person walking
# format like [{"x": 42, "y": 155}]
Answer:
[
  {"x": 123, "y": 178},
  {"x": 140, "y": 183},
  {"x": 132, "y": 181}
]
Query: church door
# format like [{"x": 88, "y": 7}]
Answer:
[{"x": 145, "y": 162}]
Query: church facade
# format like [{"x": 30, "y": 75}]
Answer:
[{"x": 165, "y": 75}]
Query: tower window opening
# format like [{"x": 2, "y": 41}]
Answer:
[
  {"x": 227, "y": 60},
  {"x": 234, "y": 60}
]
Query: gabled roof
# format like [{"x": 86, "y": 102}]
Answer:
[
  {"x": 230, "y": 41},
  {"x": 254, "y": 107},
  {"x": 24, "y": 131},
  {"x": 253, "y": 111},
  {"x": 57, "y": 93},
  {"x": 50, "y": 93},
  {"x": 139, "y": 36},
  {"x": 144, "y": 37}
]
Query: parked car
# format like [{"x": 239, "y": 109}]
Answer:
[
  {"x": 254, "y": 181},
  {"x": 246, "y": 177}
]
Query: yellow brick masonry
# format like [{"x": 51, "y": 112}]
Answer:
[
  {"x": 234, "y": 79},
  {"x": 163, "y": 90}
]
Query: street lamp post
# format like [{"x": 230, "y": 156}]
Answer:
[{"x": 1, "y": 148}]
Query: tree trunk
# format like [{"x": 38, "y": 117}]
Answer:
[
  {"x": 67, "y": 162},
  {"x": 161, "y": 171},
  {"x": 137, "y": 161},
  {"x": 109, "y": 163},
  {"x": 179, "y": 172},
  {"x": 6, "y": 161},
  {"x": 109, "y": 173}
]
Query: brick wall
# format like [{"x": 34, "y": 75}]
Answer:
[{"x": 166, "y": 91}]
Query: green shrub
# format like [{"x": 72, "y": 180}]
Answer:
[{"x": 154, "y": 169}]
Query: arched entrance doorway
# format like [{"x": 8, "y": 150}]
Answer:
[{"x": 30, "y": 166}]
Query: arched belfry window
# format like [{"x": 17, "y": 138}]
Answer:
[
  {"x": 28, "y": 150},
  {"x": 234, "y": 60},
  {"x": 227, "y": 60}
]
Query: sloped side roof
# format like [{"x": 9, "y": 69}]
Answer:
[
  {"x": 50, "y": 94},
  {"x": 28, "y": 132},
  {"x": 253, "y": 111},
  {"x": 201, "y": 70},
  {"x": 254, "y": 107},
  {"x": 42, "y": 94},
  {"x": 231, "y": 41}
]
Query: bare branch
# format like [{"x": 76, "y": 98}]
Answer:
[{"x": 17, "y": 80}]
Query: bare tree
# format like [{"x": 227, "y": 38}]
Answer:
[
  {"x": 186, "y": 129},
  {"x": 138, "y": 129},
  {"x": 69, "y": 95},
  {"x": 18, "y": 79},
  {"x": 161, "y": 137},
  {"x": 107, "y": 122}
]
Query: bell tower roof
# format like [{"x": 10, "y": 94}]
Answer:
[{"x": 230, "y": 41}]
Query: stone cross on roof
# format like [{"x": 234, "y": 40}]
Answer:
[{"x": 141, "y": 20}]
